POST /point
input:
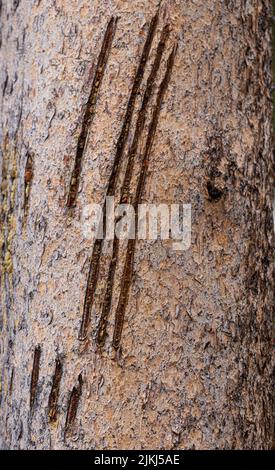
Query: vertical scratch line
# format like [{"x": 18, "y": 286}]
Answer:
[
  {"x": 11, "y": 381},
  {"x": 28, "y": 177},
  {"x": 130, "y": 106},
  {"x": 54, "y": 394},
  {"x": 128, "y": 266},
  {"x": 97, "y": 249},
  {"x": 73, "y": 405},
  {"x": 90, "y": 109},
  {"x": 35, "y": 375},
  {"x": 101, "y": 333}
]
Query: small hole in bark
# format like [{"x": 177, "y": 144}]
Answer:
[{"x": 214, "y": 193}]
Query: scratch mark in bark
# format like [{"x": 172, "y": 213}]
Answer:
[
  {"x": 101, "y": 334},
  {"x": 5, "y": 84},
  {"x": 215, "y": 185},
  {"x": 28, "y": 177},
  {"x": 73, "y": 405},
  {"x": 128, "y": 266},
  {"x": 97, "y": 249},
  {"x": 90, "y": 109},
  {"x": 142, "y": 114},
  {"x": 11, "y": 381},
  {"x": 90, "y": 289},
  {"x": 53, "y": 398},
  {"x": 35, "y": 375},
  {"x": 130, "y": 106}
]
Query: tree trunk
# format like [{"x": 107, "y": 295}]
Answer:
[{"x": 176, "y": 352}]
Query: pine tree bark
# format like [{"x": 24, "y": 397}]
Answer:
[{"x": 193, "y": 365}]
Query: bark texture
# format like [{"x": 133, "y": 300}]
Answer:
[{"x": 82, "y": 84}]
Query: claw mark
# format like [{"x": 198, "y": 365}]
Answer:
[
  {"x": 90, "y": 109},
  {"x": 142, "y": 114},
  {"x": 90, "y": 289},
  {"x": 11, "y": 381},
  {"x": 53, "y": 398},
  {"x": 35, "y": 375},
  {"x": 27, "y": 182},
  {"x": 97, "y": 249},
  {"x": 128, "y": 266},
  {"x": 130, "y": 106},
  {"x": 73, "y": 405},
  {"x": 101, "y": 334},
  {"x": 5, "y": 84}
]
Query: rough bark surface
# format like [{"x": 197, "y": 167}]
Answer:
[{"x": 193, "y": 368}]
